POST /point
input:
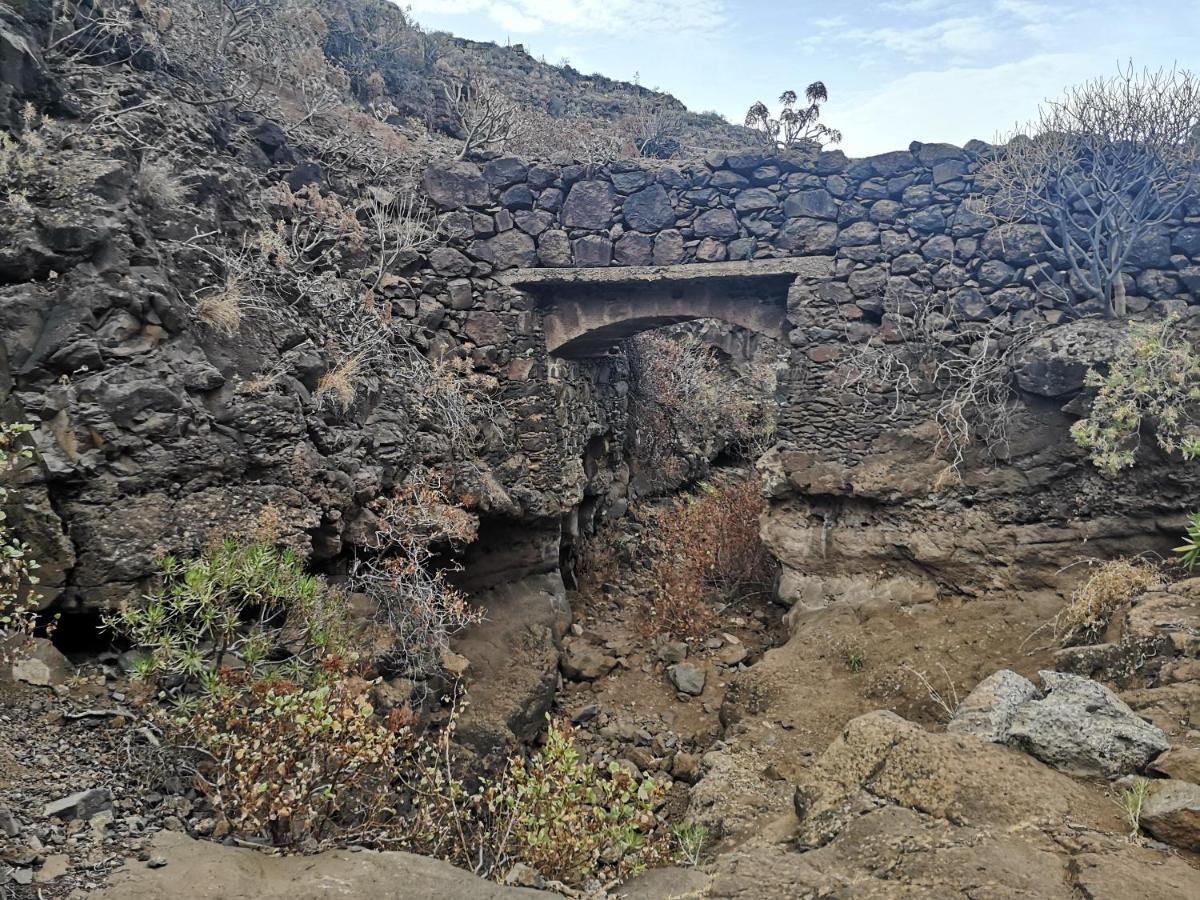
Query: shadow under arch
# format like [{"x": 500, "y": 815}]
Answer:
[{"x": 586, "y": 311}]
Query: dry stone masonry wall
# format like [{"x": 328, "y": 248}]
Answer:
[{"x": 858, "y": 485}]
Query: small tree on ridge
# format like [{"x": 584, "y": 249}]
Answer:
[
  {"x": 1100, "y": 170},
  {"x": 795, "y": 126}
]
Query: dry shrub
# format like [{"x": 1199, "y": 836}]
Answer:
[
  {"x": 293, "y": 764},
  {"x": 1110, "y": 587},
  {"x": 158, "y": 186},
  {"x": 677, "y": 390},
  {"x": 420, "y": 609},
  {"x": 221, "y": 310},
  {"x": 708, "y": 547},
  {"x": 339, "y": 386}
]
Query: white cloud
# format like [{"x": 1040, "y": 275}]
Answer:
[
  {"x": 954, "y": 104},
  {"x": 958, "y": 36},
  {"x": 510, "y": 18},
  {"x": 597, "y": 16}
]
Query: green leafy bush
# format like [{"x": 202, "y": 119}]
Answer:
[
  {"x": 1155, "y": 378},
  {"x": 247, "y": 604},
  {"x": 18, "y": 569},
  {"x": 552, "y": 812},
  {"x": 289, "y": 763},
  {"x": 1189, "y": 550}
]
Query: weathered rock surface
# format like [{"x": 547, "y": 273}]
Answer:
[
  {"x": 881, "y": 758},
  {"x": 1172, "y": 813},
  {"x": 688, "y": 678},
  {"x": 40, "y": 663},
  {"x": 892, "y": 811},
  {"x": 988, "y": 711},
  {"x": 1182, "y": 763},
  {"x": 584, "y": 661},
  {"x": 514, "y": 662},
  {"x": 82, "y": 805},
  {"x": 203, "y": 870},
  {"x": 1082, "y": 727}
]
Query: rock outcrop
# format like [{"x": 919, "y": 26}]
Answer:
[
  {"x": 1078, "y": 726},
  {"x": 203, "y": 870}
]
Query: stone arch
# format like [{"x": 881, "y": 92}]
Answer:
[{"x": 587, "y": 311}]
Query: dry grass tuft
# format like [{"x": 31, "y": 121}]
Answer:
[
  {"x": 339, "y": 386},
  {"x": 221, "y": 310},
  {"x": 158, "y": 186},
  {"x": 1109, "y": 589}
]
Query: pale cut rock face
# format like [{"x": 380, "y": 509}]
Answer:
[
  {"x": 1083, "y": 728},
  {"x": 988, "y": 711},
  {"x": 1172, "y": 813}
]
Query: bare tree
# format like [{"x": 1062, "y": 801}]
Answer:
[
  {"x": 795, "y": 126},
  {"x": 484, "y": 115},
  {"x": 1101, "y": 169}
]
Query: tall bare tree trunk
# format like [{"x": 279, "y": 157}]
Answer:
[{"x": 1118, "y": 298}]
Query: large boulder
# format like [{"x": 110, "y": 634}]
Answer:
[
  {"x": 880, "y": 757},
  {"x": 1055, "y": 363},
  {"x": 987, "y": 712},
  {"x": 514, "y": 662},
  {"x": 1083, "y": 728}
]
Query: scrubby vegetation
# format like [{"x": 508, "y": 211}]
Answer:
[
  {"x": 1154, "y": 378},
  {"x": 246, "y": 604},
  {"x": 1108, "y": 590},
  {"x": 931, "y": 357},
  {"x": 1189, "y": 550},
  {"x": 707, "y": 551},
  {"x": 18, "y": 568},
  {"x": 272, "y": 715},
  {"x": 296, "y": 762},
  {"x": 681, "y": 396},
  {"x": 552, "y": 812},
  {"x": 795, "y": 126},
  {"x": 1099, "y": 170}
]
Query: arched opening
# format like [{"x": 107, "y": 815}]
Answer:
[{"x": 585, "y": 312}]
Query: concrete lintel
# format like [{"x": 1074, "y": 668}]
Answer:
[{"x": 789, "y": 267}]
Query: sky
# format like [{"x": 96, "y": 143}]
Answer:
[{"x": 896, "y": 70}]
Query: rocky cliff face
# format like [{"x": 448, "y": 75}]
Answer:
[{"x": 158, "y": 425}]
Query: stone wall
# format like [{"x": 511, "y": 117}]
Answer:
[{"x": 856, "y": 489}]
